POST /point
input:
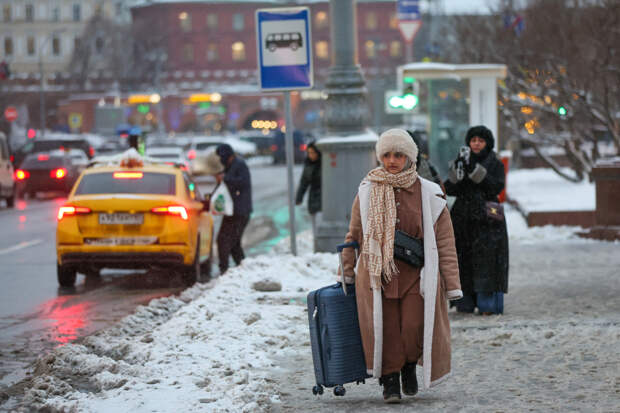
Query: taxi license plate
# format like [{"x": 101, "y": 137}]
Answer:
[
  {"x": 121, "y": 241},
  {"x": 120, "y": 218}
]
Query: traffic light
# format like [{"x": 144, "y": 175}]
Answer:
[
  {"x": 399, "y": 102},
  {"x": 562, "y": 111},
  {"x": 31, "y": 133}
]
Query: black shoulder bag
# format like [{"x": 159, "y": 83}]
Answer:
[{"x": 408, "y": 249}]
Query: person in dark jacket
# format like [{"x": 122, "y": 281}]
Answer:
[
  {"x": 476, "y": 178},
  {"x": 236, "y": 176},
  {"x": 425, "y": 168},
  {"x": 311, "y": 178}
]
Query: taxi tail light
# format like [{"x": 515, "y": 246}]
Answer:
[
  {"x": 69, "y": 210},
  {"x": 191, "y": 154},
  {"x": 21, "y": 174},
  {"x": 175, "y": 210},
  {"x": 59, "y": 173},
  {"x": 128, "y": 175}
]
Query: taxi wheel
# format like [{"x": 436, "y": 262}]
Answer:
[
  {"x": 192, "y": 273},
  {"x": 66, "y": 275}
]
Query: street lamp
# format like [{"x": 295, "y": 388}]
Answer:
[{"x": 42, "y": 84}]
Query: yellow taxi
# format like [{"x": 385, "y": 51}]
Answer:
[{"x": 129, "y": 213}]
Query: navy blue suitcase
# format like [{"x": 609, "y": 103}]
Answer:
[{"x": 337, "y": 350}]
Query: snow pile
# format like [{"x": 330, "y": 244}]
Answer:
[
  {"x": 209, "y": 350},
  {"x": 544, "y": 190}
]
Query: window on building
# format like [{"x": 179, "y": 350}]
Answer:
[
  {"x": 118, "y": 8},
  {"x": 396, "y": 48},
  {"x": 6, "y": 13},
  {"x": 212, "y": 54},
  {"x": 99, "y": 45},
  {"x": 31, "y": 48},
  {"x": 185, "y": 21},
  {"x": 393, "y": 22},
  {"x": 321, "y": 49},
  {"x": 320, "y": 20},
  {"x": 29, "y": 13},
  {"x": 56, "y": 46},
  {"x": 55, "y": 15},
  {"x": 238, "y": 21},
  {"x": 77, "y": 44},
  {"x": 77, "y": 12},
  {"x": 212, "y": 21},
  {"x": 369, "y": 47},
  {"x": 8, "y": 46},
  {"x": 371, "y": 20},
  {"x": 188, "y": 53},
  {"x": 238, "y": 51}
]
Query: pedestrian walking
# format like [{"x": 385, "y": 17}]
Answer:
[
  {"x": 407, "y": 270},
  {"x": 311, "y": 179},
  {"x": 236, "y": 176},
  {"x": 476, "y": 178}
]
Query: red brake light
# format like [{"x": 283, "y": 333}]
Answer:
[
  {"x": 68, "y": 210},
  {"x": 12, "y": 158},
  {"x": 128, "y": 175},
  {"x": 191, "y": 154},
  {"x": 176, "y": 210},
  {"x": 303, "y": 146},
  {"x": 43, "y": 157},
  {"x": 274, "y": 148},
  {"x": 91, "y": 151},
  {"x": 58, "y": 173},
  {"x": 20, "y": 174}
]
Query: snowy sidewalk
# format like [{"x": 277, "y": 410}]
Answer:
[{"x": 224, "y": 347}]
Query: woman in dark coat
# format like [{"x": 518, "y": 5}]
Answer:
[
  {"x": 481, "y": 240},
  {"x": 311, "y": 178}
]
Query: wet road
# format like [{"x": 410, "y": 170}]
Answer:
[{"x": 36, "y": 315}]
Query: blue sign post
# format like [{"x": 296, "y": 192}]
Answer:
[
  {"x": 284, "y": 51},
  {"x": 284, "y": 48}
]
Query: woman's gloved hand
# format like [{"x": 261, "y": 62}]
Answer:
[
  {"x": 477, "y": 174},
  {"x": 456, "y": 171}
]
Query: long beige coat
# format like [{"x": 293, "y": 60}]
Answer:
[{"x": 439, "y": 282}]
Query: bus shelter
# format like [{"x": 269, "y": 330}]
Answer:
[{"x": 450, "y": 99}]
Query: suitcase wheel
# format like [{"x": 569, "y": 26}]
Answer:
[
  {"x": 339, "y": 390},
  {"x": 318, "y": 389}
]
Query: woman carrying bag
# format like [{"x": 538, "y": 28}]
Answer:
[
  {"x": 476, "y": 178},
  {"x": 401, "y": 289}
]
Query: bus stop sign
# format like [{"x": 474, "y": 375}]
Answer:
[{"x": 284, "y": 48}]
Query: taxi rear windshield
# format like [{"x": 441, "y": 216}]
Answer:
[{"x": 147, "y": 183}]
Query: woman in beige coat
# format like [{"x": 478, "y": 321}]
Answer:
[{"x": 403, "y": 311}]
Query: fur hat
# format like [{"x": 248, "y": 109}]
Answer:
[
  {"x": 396, "y": 140},
  {"x": 482, "y": 132}
]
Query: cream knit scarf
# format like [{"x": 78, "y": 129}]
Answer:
[{"x": 378, "y": 249}]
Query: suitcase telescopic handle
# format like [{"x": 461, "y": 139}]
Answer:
[{"x": 340, "y": 248}]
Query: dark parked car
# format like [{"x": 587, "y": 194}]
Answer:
[
  {"x": 46, "y": 172},
  {"x": 47, "y": 145},
  {"x": 278, "y": 148}
]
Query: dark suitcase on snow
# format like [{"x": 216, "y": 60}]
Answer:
[{"x": 335, "y": 337}]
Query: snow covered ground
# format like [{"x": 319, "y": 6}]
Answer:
[
  {"x": 226, "y": 347},
  {"x": 542, "y": 189}
]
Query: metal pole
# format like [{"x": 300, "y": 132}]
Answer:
[
  {"x": 41, "y": 97},
  {"x": 288, "y": 138},
  {"x": 409, "y": 52}
]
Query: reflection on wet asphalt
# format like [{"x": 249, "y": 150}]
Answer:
[{"x": 36, "y": 315}]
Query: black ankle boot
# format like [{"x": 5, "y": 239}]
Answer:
[
  {"x": 410, "y": 381},
  {"x": 391, "y": 387}
]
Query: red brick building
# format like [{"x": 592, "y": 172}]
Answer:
[{"x": 211, "y": 48}]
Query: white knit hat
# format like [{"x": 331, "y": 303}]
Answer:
[{"x": 396, "y": 140}]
